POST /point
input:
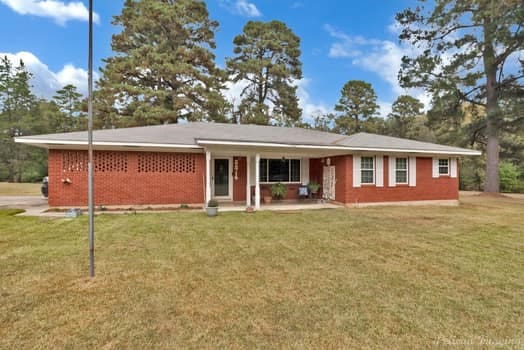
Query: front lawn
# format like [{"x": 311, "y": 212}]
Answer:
[
  {"x": 19, "y": 189},
  {"x": 390, "y": 277}
]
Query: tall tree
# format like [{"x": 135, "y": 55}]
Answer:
[
  {"x": 15, "y": 90},
  {"x": 357, "y": 104},
  {"x": 164, "y": 69},
  {"x": 69, "y": 102},
  {"x": 403, "y": 114},
  {"x": 16, "y": 104},
  {"x": 268, "y": 58},
  {"x": 470, "y": 53}
]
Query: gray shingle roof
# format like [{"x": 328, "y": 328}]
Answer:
[{"x": 190, "y": 134}]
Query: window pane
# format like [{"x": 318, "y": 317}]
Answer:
[
  {"x": 263, "y": 170},
  {"x": 443, "y": 162},
  {"x": 366, "y": 163},
  {"x": 366, "y": 176},
  {"x": 443, "y": 166},
  {"x": 402, "y": 163},
  {"x": 402, "y": 176},
  {"x": 278, "y": 170},
  {"x": 295, "y": 170}
]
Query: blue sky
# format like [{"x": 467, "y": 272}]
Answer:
[{"x": 340, "y": 41}]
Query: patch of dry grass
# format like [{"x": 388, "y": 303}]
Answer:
[
  {"x": 393, "y": 277},
  {"x": 19, "y": 189}
]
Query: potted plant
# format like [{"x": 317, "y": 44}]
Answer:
[
  {"x": 278, "y": 190},
  {"x": 313, "y": 187},
  {"x": 212, "y": 208}
]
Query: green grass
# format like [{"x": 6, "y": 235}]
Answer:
[
  {"x": 392, "y": 277},
  {"x": 19, "y": 189}
]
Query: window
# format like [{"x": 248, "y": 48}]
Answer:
[
  {"x": 443, "y": 166},
  {"x": 280, "y": 170},
  {"x": 401, "y": 170},
  {"x": 367, "y": 172}
]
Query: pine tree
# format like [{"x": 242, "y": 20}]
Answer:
[
  {"x": 268, "y": 58},
  {"x": 469, "y": 54},
  {"x": 16, "y": 104},
  {"x": 68, "y": 100},
  {"x": 404, "y": 112},
  {"x": 357, "y": 104},
  {"x": 164, "y": 68}
]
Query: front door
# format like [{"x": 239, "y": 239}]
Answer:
[{"x": 222, "y": 178}]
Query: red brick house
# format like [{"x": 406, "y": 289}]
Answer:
[{"x": 194, "y": 162}]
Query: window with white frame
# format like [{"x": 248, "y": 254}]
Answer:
[
  {"x": 443, "y": 166},
  {"x": 401, "y": 170},
  {"x": 279, "y": 170},
  {"x": 367, "y": 170}
]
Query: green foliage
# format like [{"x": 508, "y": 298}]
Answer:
[
  {"x": 278, "y": 190},
  {"x": 164, "y": 68},
  {"x": 467, "y": 54},
  {"x": 17, "y": 112},
  {"x": 509, "y": 177},
  {"x": 313, "y": 186},
  {"x": 402, "y": 119},
  {"x": 472, "y": 174},
  {"x": 268, "y": 58},
  {"x": 212, "y": 203},
  {"x": 69, "y": 103},
  {"x": 357, "y": 104}
]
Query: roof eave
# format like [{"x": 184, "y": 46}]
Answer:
[
  {"x": 464, "y": 152},
  {"x": 46, "y": 143}
]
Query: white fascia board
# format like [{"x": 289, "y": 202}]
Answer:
[
  {"x": 348, "y": 148},
  {"x": 103, "y": 143}
]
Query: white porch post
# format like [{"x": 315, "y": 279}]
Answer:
[
  {"x": 257, "y": 181},
  {"x": 248, "y": 183},
  {"x": 208, "y": 177}
]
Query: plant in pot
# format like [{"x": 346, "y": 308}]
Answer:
[
  {"x": 212, "y": 208},
  {"x": 278, "y": 190},
  {"x": 313, "y": 187}
]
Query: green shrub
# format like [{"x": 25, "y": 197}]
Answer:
[
  {"x": 212, "y": 203},
  {"x": 313, "y": 186},
  {"x": 508, "y": 177},
  {"x": 278, "y": 190}
]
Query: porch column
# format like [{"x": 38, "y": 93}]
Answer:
[
  {"x": 248, "y": 183},
  {"x": 257, "y": 181},
  {"x": 208, "y": 177}
]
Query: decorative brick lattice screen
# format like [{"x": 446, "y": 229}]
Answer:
[
  {"x": 76, "y": 161},
  {"x": 111, "y": 161},
  {"x": 166, "y": 163}
]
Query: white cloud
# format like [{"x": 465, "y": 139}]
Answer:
[
  {"x": 309, "y": 108},
  {"x": 45, "y": 82},
  {"x": 382, "y": 57},
  {"x": 241, "y": 7},
  {"x": 385, "y": 108},
  {"x": 59, "y": 11}
]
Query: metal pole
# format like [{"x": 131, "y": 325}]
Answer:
[{"x": 91, "y": 223}]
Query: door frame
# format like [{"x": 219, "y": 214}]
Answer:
[{"x": 230, "y": 179}]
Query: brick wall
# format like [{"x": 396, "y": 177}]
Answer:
[
  {"x": 127, "y": 178},
  {"x": 427, "y": 188}
]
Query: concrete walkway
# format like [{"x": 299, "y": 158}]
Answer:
[
  {"x": 33, "y": 205},
  {"x": 37, "y": 206}
]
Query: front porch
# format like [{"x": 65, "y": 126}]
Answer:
[
  {"x": 241, "y": 179},
  {"x": 288, "y": 205}
]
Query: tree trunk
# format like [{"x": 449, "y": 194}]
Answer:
[{"x": 492, "y": 149}]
